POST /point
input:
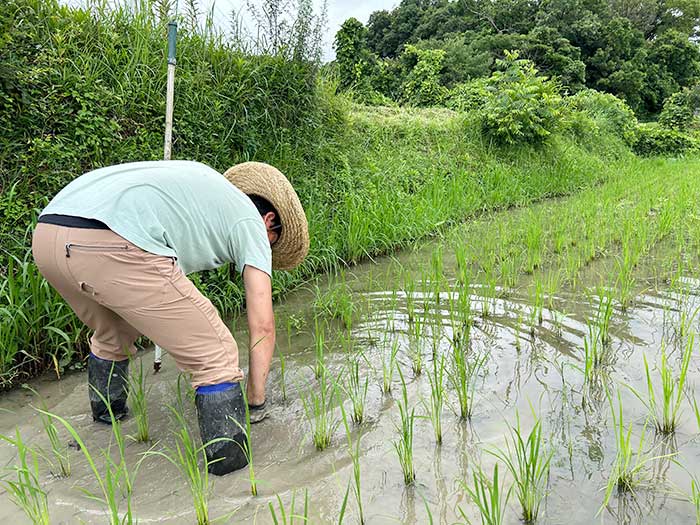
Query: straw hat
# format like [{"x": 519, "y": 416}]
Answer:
[{"x": 257, "y": 178}]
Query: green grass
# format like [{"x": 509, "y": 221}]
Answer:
[
  {"x": 356, "y": 389},
  {"x": 22, "y": 483},
  {"x": 389, "y": 366}
]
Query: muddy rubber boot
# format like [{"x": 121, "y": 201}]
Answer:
[
  {"x": 220, "y": 411},
  {"x": 110, "y": 379}
]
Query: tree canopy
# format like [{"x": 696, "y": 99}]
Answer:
[{"x": 642, "y": 51}]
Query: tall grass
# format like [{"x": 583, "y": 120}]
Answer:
[{"x": 21, "y": 482}]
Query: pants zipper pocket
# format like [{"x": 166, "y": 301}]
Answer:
[{"x": 95, "y": 247}]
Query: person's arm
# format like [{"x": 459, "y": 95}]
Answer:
[{"x": 261, "y": 326}]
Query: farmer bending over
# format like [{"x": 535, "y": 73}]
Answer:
[{"x": 117, "y": 244}]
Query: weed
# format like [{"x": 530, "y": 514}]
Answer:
[
  {"x": 528, "y": 462},
  {"x": 25, "y": 491},
  {"x": 489, "y": 497},
  {"x": 404, "y": 445}
]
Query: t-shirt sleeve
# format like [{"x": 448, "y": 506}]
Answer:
[{"x": 250, "y": 246}]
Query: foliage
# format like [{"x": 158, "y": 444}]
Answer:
[
  {"x": 422, "y": 86},
  {"x": 521, "y": 107},
  {"x": 607, "y": 111},
  {"x": 680, "y": 109},
  {"x": 353, "y": 60},
  {"x": 469, "y": 96},
  {"x": 654, "y": 140}
]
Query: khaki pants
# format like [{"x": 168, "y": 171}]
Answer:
[{"x": 122, "y": 292}]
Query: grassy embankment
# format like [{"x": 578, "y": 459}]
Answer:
[{"x": 371, "y": 180}]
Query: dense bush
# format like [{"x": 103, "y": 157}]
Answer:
[
  {"x": 654, "y": 140},
  {"x": 680, "y": 109},
  {"x": 521, "y": 106},
  {"x": 607, "y": 111},
  {"x": 468, "y": 96}
]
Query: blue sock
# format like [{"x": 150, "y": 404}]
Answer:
[{"x": 212, "y": 389}]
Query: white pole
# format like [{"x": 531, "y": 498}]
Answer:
[{"x": 168, "y": 146}]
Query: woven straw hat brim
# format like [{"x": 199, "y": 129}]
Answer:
[{"x": 257, "y": 178}]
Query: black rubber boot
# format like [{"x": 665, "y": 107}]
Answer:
[
  {"x": 110, "y": 379},
  {"x": 218, "y": 413}
]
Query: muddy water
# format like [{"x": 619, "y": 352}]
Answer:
[{"x": 524, "y": 372}]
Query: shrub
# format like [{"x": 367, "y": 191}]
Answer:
[
  {"x": 468, "y": 96},
  {"x": 609, "y": 112},
  {"x": 422, "y": 86},
  {"x": 679, "y": 112},
  {"x": 521, "y": 106},
  {"x": 654, "y": 140}
]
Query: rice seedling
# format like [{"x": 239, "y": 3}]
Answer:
[
  {"x": 409, "y": 289},
  {"x": 356, "y": 390},
  {"x": 528, "y": 462},
  {"x": 319, "y": 410},
  {"x": 117, "y": 482},
  {"x": 138, "y": 401},
  {"x": 696, "y": 409},
  {"x": 604, "y": 314},
  {"x": 283, "y": 519},
  {"x": 25, "y": 489},
  {"x": 319, "y": 349},
  {"x": 336, "y": 302},
  {"x": 404, "y": 444},
  {"x": 189, "y": 458},
  {"x": 490, "y": 498},
  {"x": 415, "y": 347},
  {"x": 283, "y": 374},
  {"x": 533, "y": 243},
  {"x": 60, "y": 459},
  {"x": 695, "y": 498},
  {"x": 388, "y": 367},
  {"x": 354, "y": 452},
  {"x": 628, "y": 469},
  {"x": 437, "y": 397},
  {"x": 537, "y": 305},
  {"x": 665, "y": 411},
  {"x": 463, "y": 376},
  {"x": 247, "y": 447}
]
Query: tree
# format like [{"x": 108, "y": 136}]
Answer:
[
  {"x": 422, "y": 86},
  {"x": 353, "y": 58}
]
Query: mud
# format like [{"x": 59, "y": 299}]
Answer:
[{"x": 524, "y": 373}]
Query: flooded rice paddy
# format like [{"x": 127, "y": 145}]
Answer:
[{"x": 531, "y": 338}]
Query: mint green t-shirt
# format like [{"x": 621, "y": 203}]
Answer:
[{"x": 175, "y": 208}]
